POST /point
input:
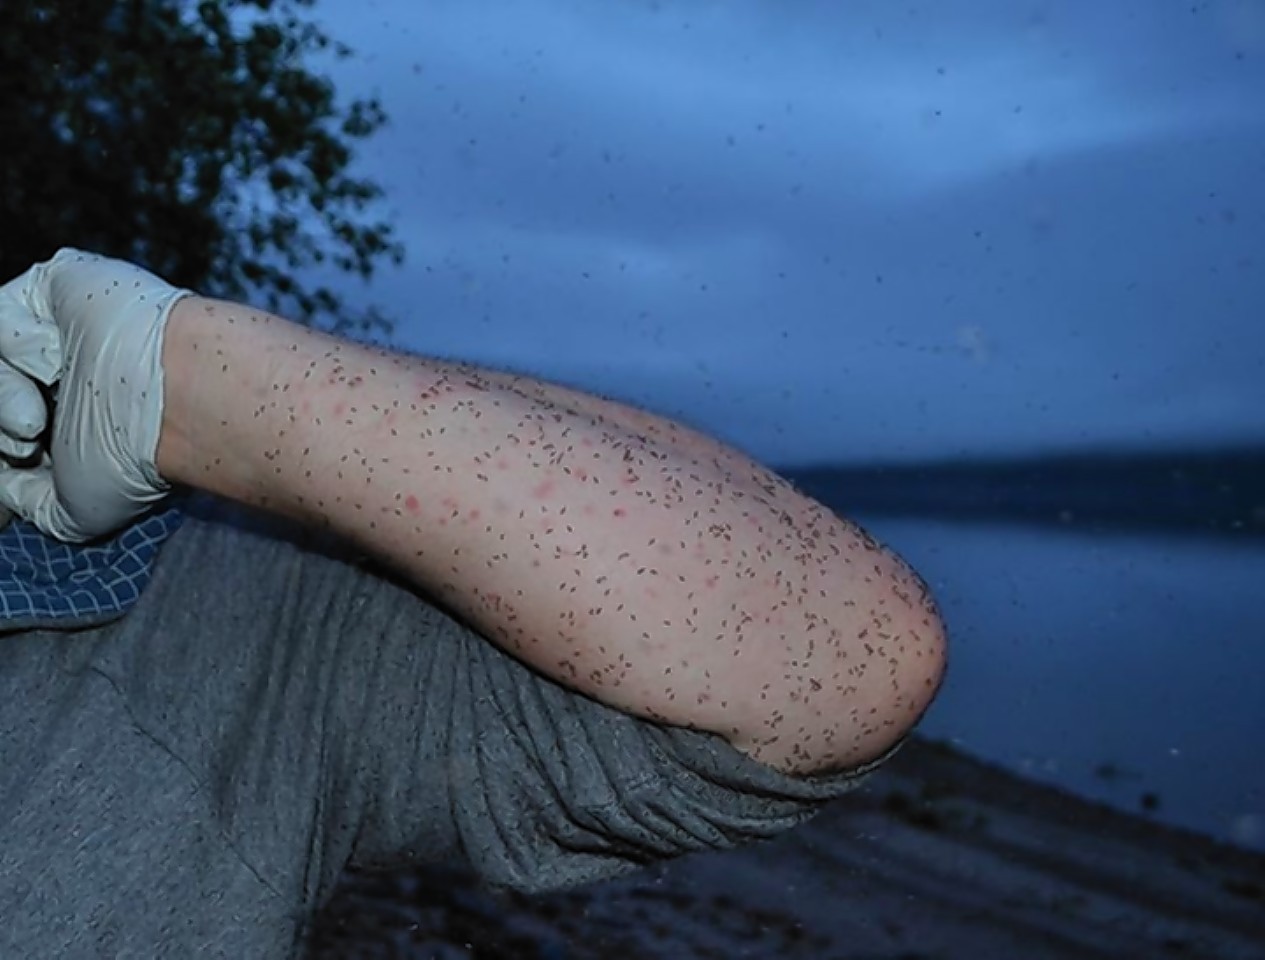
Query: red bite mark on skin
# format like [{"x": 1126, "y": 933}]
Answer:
[
  {"x": 411, "y": 504},
  {"x": 305, "y": 407},
  {"x": 620, "y": 512},
  {"x": 340, "y": 409},
  {"x": 581, "y": 474},
  {"x": 543, "y": 489}
]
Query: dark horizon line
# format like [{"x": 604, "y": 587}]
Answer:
[
  {"x": 1235, "y": 450},
  {"x": 1206, "y": 492}
]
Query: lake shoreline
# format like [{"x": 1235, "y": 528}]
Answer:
[{"x": 939, "y": 855}]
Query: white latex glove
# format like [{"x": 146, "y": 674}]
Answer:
[{"x": 92, "y": 329}]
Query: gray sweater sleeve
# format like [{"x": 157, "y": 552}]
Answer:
[
  {"x": 336, "y": 716},
  {"x": 547, "y": 788}
]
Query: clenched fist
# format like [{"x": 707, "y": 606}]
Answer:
[{"x": 90, "y": 329}]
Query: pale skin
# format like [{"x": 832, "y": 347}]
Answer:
[{"x": 620, "y": 553}]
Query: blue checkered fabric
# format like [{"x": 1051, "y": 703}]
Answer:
[{"x": 44, "y": 581}]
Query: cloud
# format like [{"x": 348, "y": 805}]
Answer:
[
  {"x": 866, "y": 230},
  {"x": 731, "y": 99}
]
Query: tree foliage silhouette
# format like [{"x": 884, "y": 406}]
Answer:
[{"x": 193, "y": 138}]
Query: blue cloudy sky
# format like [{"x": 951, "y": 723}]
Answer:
[
  {"x": 855, "y": 232},
  {"x": 832, "y": 231}
]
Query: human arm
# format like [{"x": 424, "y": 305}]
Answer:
[
  {"x": 619, "y": 553},
  {"x": 640, "y": 563}
]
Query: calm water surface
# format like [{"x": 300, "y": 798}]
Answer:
[{"x": 1128, "y": 669}]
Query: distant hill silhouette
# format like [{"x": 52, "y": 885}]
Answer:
[{"x": 1200, "y": 493}]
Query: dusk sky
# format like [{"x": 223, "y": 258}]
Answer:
[{"x": 836, "y": 232}]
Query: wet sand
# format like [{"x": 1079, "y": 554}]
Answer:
[{"x": 939, "y": 856}]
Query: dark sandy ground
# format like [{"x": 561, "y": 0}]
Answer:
[{"x": 939, "y": 856}]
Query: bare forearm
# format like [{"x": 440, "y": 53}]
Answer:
[{"x": 634, "y": 560}]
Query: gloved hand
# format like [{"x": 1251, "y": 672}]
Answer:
[{"x": 90, "y": 328}]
